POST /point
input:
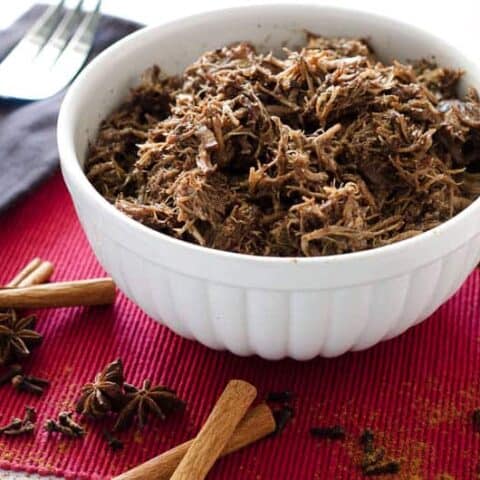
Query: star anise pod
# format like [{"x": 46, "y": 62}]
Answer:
[
  {"x": 140, "y": 402},
  {"x": 104, "y": 394},
  {"x": 17, "y": 336}
]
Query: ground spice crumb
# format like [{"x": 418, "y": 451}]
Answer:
[
  {"x": 138, "y": 437},
  {"x": 373, "y": 462},
  {"x": 63, "y": 447},
  {"x": 385, "y": 468}
]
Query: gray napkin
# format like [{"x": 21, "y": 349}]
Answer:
[{"x": 28, "y": 149}]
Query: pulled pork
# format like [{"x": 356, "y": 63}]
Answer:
[{"x": 324, "y": 151}]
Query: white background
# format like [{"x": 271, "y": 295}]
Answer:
[{"x": 458, "y": 21}]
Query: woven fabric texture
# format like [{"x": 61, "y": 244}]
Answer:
[{"x": 416, "y": 392}]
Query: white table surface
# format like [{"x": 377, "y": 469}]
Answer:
[{"x": 457, "y": 21}]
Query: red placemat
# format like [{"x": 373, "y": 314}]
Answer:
[{"x": 416, "y": 391}]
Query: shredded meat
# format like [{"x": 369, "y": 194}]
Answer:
[{"x": 324, "y": 151}]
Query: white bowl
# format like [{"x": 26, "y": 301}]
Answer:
[{"x": 273, "y": 307}]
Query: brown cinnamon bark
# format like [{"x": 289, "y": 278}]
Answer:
[
  {"x": 216, "y": 432},
  {"x": 100, "y": 291},
  {"x": 41, "y": 274},
  {"x": 257, "y": 424},
  {"x": 24, "y": 272}
]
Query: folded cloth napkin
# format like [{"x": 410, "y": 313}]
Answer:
[{"x": 28, "y": 150}]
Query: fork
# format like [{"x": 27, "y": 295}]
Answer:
[{"x": 51, "y": 53}]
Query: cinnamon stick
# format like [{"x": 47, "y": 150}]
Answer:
[
  {"x": 100, "y": 291},
  {"x": 24, "y": 272},
  {"x": 40, "y": 275},
  {"x": 216, "y": 432},
  {"x": 257, "y": 424}
]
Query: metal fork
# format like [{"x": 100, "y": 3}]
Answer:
[{"x": 51, "y": 53}]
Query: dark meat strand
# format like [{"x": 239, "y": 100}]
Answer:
[{"x": 324, "y": 151}]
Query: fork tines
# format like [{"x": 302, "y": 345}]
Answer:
[{"x": 51, "y": 52}]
